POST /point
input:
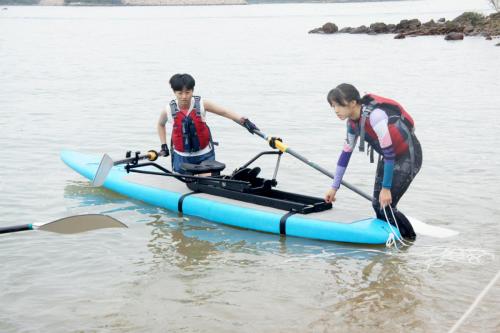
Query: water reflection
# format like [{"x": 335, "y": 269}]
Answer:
[
  {"x": 87, "y": 195},
  {"x": 194, "y": 240},
  {"x": 378, "y": 293}
]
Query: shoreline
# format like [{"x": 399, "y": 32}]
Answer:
[
  {"x": 129, "y": 3},
  {"x": 120, "y": 3}
]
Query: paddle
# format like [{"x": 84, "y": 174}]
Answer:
[
  {"x": 70, "y": 225},
  {"x": 418, "y": 226},
  {"x": 107, "y": 163},
  {"x": 285, "y": 149}
]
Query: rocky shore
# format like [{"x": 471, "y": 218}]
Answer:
[
  {"x": 467, "y": 24},
  {"x": 123, "y": 2},
  {"x": 181, "y": 2}
]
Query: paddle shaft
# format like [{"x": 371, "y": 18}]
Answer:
[
  {"x": 107, "y": 164},
  {"x": 150, "y": 155},
  {"x": 16, "y": 228},
  {"x": 284, "y": 148}
]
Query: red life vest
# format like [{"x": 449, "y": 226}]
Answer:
[
  {"x": 190, "y": 133},
  {"x": 400, "y": 124}
]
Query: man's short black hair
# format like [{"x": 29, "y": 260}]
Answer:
[{"x": 182, "y": 81}]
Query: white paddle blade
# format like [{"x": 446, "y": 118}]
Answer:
[
  {"x": 103, "y": 171},
  {"x": 424, "y": 229},
  {"x": 81, "y": 223}
]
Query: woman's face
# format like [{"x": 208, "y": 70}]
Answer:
[{"x": 344, "y": 112}]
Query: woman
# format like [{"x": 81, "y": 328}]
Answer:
[{"x": 389, "y": 130}]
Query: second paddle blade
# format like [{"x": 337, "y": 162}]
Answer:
[
  {"x": 82, "y": 223},
  {"x": 103, "y": 170}
]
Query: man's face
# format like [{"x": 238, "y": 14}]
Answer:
[{"x": 184, "y": 97}]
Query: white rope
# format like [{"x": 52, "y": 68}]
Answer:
[
  {"x": 397, "y": 226},
  {"x": 389, "y": 243},
  {"x": 474, "y": 305}
]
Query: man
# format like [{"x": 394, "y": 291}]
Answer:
[{"x": 191, "y": 138}]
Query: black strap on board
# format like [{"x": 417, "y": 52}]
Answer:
[
  {"x": 181, "y": 200},
  {"x": 283, "y": 221}
]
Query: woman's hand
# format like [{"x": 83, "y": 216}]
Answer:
[
  {"x": 385, "y": 197},
  {"x": 330, "y": 195}
]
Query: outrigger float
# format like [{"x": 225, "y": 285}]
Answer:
[{"x": 241, "y": 199}]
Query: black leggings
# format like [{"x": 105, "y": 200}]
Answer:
[{"x": 402, "y": 177}]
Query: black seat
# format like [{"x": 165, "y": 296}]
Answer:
[
  {"x": 246, "y": 174},
  {"x": 212, "y": 167}
]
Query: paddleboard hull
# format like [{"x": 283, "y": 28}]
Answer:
[{"x": 168, "y": 193}]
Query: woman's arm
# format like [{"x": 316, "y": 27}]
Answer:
[
  {"x": 379, "y": 122},
  {"x": 345, "y": 156}
]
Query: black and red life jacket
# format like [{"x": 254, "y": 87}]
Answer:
[
  {"x": 400, "y": 124},
  {"x": 190, "y": 133}
]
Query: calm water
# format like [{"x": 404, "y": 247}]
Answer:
[{"x": 95, "y": 79}]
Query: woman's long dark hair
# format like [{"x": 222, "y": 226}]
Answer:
[{"x": 343, "y": 94}]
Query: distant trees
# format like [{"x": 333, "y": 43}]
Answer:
[
  {"x": 19, "y": 2},
  {"x": 93, "y": 2}
]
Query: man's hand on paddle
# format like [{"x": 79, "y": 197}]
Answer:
[
  {"x": 272, "y": 141},
  {"x": 249, "y": 125},
  {"x": 164, "y": 150},
  {"x": 330, "y": 195}
]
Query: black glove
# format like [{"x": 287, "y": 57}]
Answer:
[
  {"x": 164, "y": 150},
  {"x": 272, "y": 141},
  {"x": 249, "y": 125}
]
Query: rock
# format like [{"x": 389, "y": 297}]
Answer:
[
  {"x": 347, "y": 30},
  {"x": 402, "y": 25},
  {"x": 430, "y": 24},
  {"x": 414, "y": 24},
  {"x": 400, "y": 36},
  {"x": 454, "y": 36},
  {"x": 497, "y": 44},
  {"x": 329, "y": 28},
  {"x": 379, "y": 28},
  {"x": 430, "y": 28},
  {"x": 470, "y": 18},
  {"x": 442, "y": 20},
  {"x": 492, "y": 25},
  {"x": 451, "y": 26},
  {"x": 360, "y": 30},
  {"x": 405, "y": 25},
  {"x": 391, "y": 28},
  {"x": 468, "y": 29},
  {"x": 488, "y": 37}
]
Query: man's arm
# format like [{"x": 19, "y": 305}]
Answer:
[
  {"x": 219, "y": 110},
  {"x": 160, "y": 127},
  {"x": 245, "y": 122}
]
